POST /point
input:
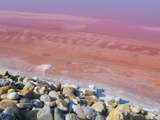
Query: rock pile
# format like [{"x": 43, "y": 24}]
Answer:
[{"x": 23, "y": 98}]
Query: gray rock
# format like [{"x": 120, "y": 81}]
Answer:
[
  {"x": 71, "y": 116},
  {"x": 58, "y": 115},
  {"x": 90, "y": 113},
  {"x": 45, "y": 98},
  {"x": 7, "y": 116},
  {"x": 4, "y": 82},
  {"x": 54, "y": 95},
  {"x": 80, "y": 113},
  {"x": 100, "y": 117},
  {"x": 25, "y": 105},
  {"x": 13, "y": 96},
  {"x": 37, "y": 103},
  {"x": 99, "y": 107},
  {"x": 15, "y": 111},
  {"x": 31, "y": 115},
  {"x": 45, "y": 114}
]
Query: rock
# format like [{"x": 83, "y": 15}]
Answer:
[
  {"x": 25, "y": 106},
  {"x": 45, "y": 98},
  {"x": 14, "y": 110},
  {"x": 112, "y": 104},
  {"x": 3, "y": 96},
  {"x": 89, "y": 92},
  {"x": 115, "y": 115},
  {"x": 11, "y": 90},
  {"x": 45, "y": 114},
  {"x": 136, "y": 109},
  {"x": 4, "y": 89},
  {"x": 13, "y": 96},
  {"x": 71, "y": 116},
  {"x": 24, "y": 100},
  {"x": 90, "y": 113},
  {"x": 56, "y": 86},
  {"x": 37, "y": 103},
  {"x": 80, "y": 112},
  {"x": 30, "y": 115},
  {"x": 40, "y": 90},
  {"x": 69, "y": 91},
  {"x": 100, "y": 117},
  {"x": 150, "y": 116},
  {"x": 58, "y": 115},
  {"x": 4, "y": 82},
  {"x": 62, "y": 105},
  {"x": 51, "y": 104},
  {"x": 99, "y": 107},
  {"x": 7, "y": 103},
  {"x": 27, "y": 92},
  {"x": 124, "y": 108},
  {"x": 90, "y": 100},
  {"x": 54, "y": 95},
  {"x": 7, "y": 116}
]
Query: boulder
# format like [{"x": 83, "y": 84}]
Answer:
[
  {"x": 99, "y": 107},
  {"x": 45, "y": 114}
]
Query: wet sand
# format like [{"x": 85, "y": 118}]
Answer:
[{"x": 76, "y": 50}]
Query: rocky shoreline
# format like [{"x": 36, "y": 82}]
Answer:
[{"x": 28, "y": 98}]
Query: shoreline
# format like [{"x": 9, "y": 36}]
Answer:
[{"x": 109, "y": 92}]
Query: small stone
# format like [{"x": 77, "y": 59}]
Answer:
[
  {"x": 56, "y": 86},
  {"x": 115, "y": 115},
  {"x": 4, "y": 96},
  {"x": 71, "y": 116},
  {"x": 90, "y": 100},
  {"x": 100, "y": 117},
  {"x": 88, "y": 92},
  {"x": 62, "y": 105},
  {"x": 51, "y": 104},
  {"x": 58, "y": 115},
  {"x": 45, "y": 114},
  {"x": 45, "y": 98},
  {"x": 7, "y": 116},
  {"x": 54, "y": 95},
  {"x": 150, "y": 116},
  {"x": 124, "y": 108},
  {"x": 25, "y": 106},
  {"x": 4, "y": 82},
  {"x": 27, "y": 92},
  {"x": 4, "y": 89},
  {"x": 99, "y": 107},
  {"x": 13, "y": 96},
  {"x": 11, "y": 90},
  {"x": 68, "y": 91},
  {"x": 80, "y": 112},
  {"x": 30, "y": 115},
  {"x": 90, "y": 113},
  {"x": 7, "y": 103},
  {"x": 37, "y": 103},
  {"x": 136, "y": 109}
]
